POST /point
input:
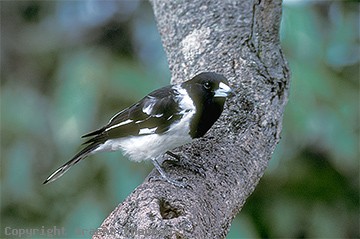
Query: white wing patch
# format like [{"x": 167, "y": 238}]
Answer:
[
  {"x": 158, "y": 115},
  {"x": 149, "y": 105},
  {"x": 147, "y": 131},
  {"x": 119, "y": 124}
]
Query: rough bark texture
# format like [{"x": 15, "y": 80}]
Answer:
[{"x": 239, "y": 39}]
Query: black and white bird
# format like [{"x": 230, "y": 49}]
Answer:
[{"x": 163, "y": 120}]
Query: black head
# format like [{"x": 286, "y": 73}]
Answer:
[{"x": 208, "y": 90}]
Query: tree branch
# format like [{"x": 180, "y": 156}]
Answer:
[{"x": 239, "y": 39}]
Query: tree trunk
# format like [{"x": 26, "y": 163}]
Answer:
[{"x": 239, "y": 39}]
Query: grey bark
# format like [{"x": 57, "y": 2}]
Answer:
[{"x": 239, "y": 39}]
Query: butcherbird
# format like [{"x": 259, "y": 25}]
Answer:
[{"x": 163, "y": 120}]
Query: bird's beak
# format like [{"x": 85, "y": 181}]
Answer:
[{"x": 223, "y": 91}]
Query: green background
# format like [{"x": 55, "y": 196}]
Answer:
[{"x": 68, "y": 66}]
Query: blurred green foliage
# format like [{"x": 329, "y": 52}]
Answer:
[{"x": 67, "y": 66}]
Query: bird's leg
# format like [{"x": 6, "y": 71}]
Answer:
[
  {"x": 164, "y": 176},
  {"x": 187, "y": 163}
]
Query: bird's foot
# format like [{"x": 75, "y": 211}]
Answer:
[{"x": 166, "y": 178}]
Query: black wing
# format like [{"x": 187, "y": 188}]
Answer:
[{"x": 153, "y": 114}]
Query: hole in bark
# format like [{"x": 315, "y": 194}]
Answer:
[{"x": 167, "y": 211}]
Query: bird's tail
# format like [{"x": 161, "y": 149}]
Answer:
[{"x": 79, "y": 156}]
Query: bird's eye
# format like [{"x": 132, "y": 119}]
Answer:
[{"x": 207, "y": 85}]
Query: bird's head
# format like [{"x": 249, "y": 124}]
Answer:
[
  {"x": 208, "y": 91},
  {"x": 208, "y": 86}
]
